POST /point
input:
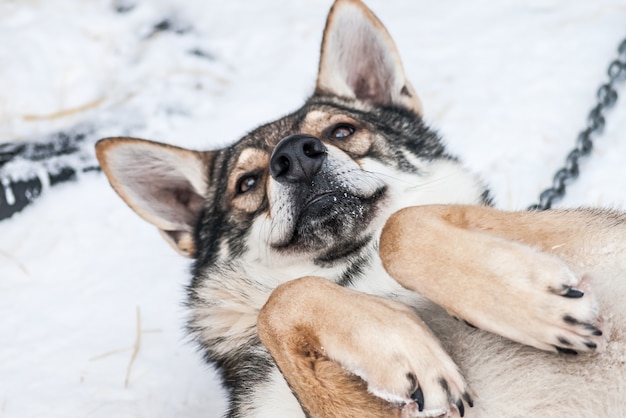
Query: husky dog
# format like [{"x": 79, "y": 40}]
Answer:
[{"x": 345, "y": 265}]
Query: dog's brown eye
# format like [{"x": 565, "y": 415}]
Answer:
[
  {"x": 247, "y": 183},
  {"x": 342, "y": 131}
]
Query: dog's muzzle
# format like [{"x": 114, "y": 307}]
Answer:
[{"x": 297, "y": 158}]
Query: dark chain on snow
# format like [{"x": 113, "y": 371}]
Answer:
[
  {"x": 28, "y": 168},
  {"x": 606, "y": 98}
]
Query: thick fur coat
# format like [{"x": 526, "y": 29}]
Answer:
[{"x": 383, "y": 322}]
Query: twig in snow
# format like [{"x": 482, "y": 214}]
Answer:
[
  {"x": 109, "y": 353},
  {"x": 135, "y": 349},
  {"x": 66, "y": 112},
  {"x": 16, "y": 261}
]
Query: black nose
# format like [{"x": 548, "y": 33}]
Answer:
[{"x": 297, "y": 158}]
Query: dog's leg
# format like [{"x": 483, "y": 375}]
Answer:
[
  {"x": 322, "y": 336},
  {"x": 511, "y": 273}
]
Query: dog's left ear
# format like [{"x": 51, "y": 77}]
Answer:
[{"x": 360, "y": 60}]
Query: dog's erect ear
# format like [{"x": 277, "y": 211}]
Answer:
[
  {"x": 359, "y": 59},
  {"x": 165, "y": 185}
]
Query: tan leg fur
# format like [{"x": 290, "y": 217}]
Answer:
[
  {"x": 290, "y": 331},
  {"x": 322, "y": 336},
  {"x": 505, "y": 272},
  {"x": 516, "y": 274}
]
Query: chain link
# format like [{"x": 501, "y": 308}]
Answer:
[{"x": 606, "y": 98}]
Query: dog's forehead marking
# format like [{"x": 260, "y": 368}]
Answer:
[
  {"x": 251, "y": 158},
  {"x": 316, "y": 116},
  {"x": 317, "y": 121}
]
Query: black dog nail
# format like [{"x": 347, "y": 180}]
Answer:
[
  {"x": 566, "y": 351},
  {"x": 468, "y": 399},
  {"x": 591, "y": 344},
  {"x": 459, "y": 406},
  {"x": 573, "y": 293},
  {"x": 418, "y": 397},
  {"x": 594, "y": 331}
]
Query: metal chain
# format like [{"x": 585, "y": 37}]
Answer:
[
  {"x": 606, "y": 98},
  {"x": 27, "y": 169}
]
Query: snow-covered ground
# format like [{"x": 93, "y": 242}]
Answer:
[{"x": 91, "y": 297}]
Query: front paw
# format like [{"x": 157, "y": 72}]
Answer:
[
  {"x": 571, "y": 325},
  {"x": 402, "y": 362},
  {"x": 539, "y": 301}
]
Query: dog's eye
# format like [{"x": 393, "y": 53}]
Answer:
[
  {"x": 247, "y": 183},
  {"x": 342, "y": 131}
]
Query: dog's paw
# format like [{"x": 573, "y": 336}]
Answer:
[
  {"x": 540, "y": 302},
  {"x": 573, "y": 322},
  {"x": 402, "y": 362}
]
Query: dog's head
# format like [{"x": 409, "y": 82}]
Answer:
[{"x": 317, "y": 184}]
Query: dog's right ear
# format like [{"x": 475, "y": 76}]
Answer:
[
  {"x": 360, "y": 60},
  {"x": 164, "y": 184}
]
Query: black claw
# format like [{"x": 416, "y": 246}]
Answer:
[
  {"x": 573, "y": 321},
  {"x": 591, "y": 344},
  {"x": 459, "y": 406},
  {"x": 468, "y": 399},
  {"x": 418, "y": 397},
  {"x": 595, "y": 331},
  {"x": 566, "y": 351},
  {"x": 573, "y": 293}
]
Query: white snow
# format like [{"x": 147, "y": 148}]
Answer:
[{"x": 508, "y": 84}]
